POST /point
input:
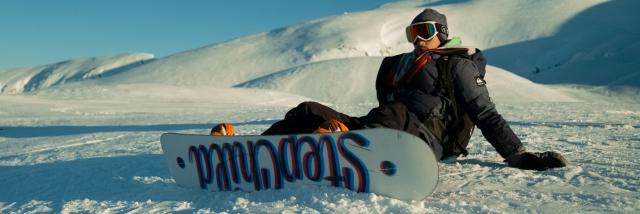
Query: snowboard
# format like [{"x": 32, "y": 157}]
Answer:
[{"x": 382, "y": 161}]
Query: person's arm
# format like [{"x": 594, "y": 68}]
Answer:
[
  {"x": 473, "y": 95},
  {"x": 382, "y": 88},
  {"x": 471, "y": 91}
]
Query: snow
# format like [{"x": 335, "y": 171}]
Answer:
[
  {"x": 20, "y": 80},
  {"x": 83, "y": 135},
  {"x": 608, "y": 56}
]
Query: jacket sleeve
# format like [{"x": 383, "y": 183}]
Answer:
[
  {"x": 381, "y": 89},
  {"x": 471, "y": 92}
]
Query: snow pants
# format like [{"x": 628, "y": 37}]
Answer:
[{"x": 307, "y": 116}]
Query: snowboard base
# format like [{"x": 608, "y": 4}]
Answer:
[{"x": 383, "y": 161}]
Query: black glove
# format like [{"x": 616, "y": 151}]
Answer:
[{"x": 536, "y": 160}]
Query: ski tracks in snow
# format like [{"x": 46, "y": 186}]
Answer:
[
  {"x": 60, "y": 148},
  {"x": 67, "y": 146}
]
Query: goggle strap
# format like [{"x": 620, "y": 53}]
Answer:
[{"x": 442, "y": 28}]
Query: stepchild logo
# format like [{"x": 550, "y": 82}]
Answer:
[{"x": 230, "y": 164}]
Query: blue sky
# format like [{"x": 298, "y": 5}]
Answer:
[{"x": 34, "y": 32}]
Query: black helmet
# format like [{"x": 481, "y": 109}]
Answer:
[{"x": 433, "y": 15}]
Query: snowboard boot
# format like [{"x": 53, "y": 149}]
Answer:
[
  {"x": 223, "y": 129},
  {"x": 332, "y": 125}
]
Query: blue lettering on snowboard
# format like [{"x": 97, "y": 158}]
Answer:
[{"x": 238, "y": 162}]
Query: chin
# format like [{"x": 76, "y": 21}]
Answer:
[{"x": 420, "y": 50}]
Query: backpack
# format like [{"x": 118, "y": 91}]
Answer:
[{"x": 458, "y": 126}]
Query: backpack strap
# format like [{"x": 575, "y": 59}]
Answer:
[
  {"x": 471, "y": 53},
  {"x": 417, "y": 66},
  {"x": 445, "y": 81},
  {"x": 458, "y": 117}
]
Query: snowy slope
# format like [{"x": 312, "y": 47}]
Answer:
[
  {"x": 351, "y": 81},
  {"x": 606, "y": 55},
  {"x": 371, "y": 33},
  {"x": 20, "y": 80},
  {"x": 337, "y": 81},
  {"x": 85, "y": 136},
  {"x": 365, "y": 34}
]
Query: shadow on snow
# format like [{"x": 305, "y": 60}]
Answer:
[
  {"x": 56, "y": 131},
  {"x": 586, "y": 50},
  {"x": 132, "y": 179}
]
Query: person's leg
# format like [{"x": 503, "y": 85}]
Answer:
[
  {"x": 397, "y": 116},
  {"x": 305, "y": 118}
]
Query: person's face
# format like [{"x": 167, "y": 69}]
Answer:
[{"x": 422, "y": 45}]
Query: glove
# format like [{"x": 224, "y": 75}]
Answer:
[{"x": 536, "y": 160}]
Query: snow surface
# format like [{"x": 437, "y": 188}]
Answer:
[
  {"x": 20, "y": 80},
  {"x": 83, "y": 135}
]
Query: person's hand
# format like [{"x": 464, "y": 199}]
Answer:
[{"x": 536, "y": 160}]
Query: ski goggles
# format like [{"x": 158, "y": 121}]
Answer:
[{"x": 425, "y": 31}]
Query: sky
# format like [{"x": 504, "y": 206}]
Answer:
[{"x": 36, "y": 32}]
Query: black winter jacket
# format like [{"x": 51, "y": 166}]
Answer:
[{"x": 425, "y": 98}]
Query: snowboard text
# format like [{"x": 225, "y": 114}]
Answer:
[{"x": 237, "y": 162}]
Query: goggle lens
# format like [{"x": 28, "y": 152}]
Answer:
[{"x": 425, "y": 30}]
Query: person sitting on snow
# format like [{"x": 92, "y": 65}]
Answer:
[{"x": 436, "y": 92}]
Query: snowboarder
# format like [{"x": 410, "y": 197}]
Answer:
[{"x": 436, "y": 92}]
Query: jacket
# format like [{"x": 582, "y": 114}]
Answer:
[{"x": 425, "y": 98}]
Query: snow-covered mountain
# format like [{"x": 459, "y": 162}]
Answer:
[
  {"x": 347, "y": 49},
  {"x": 82, "y": 136},
  {"x": 21, "y": 80},
  {"x": 599, "y": 46}
]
